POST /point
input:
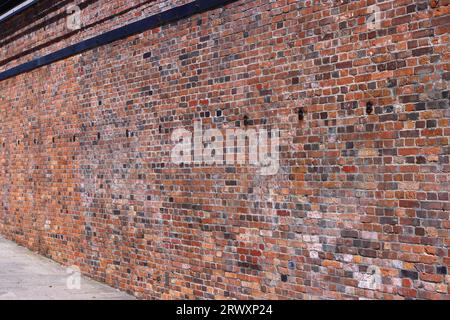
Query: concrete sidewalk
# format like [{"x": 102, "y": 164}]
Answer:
[{"x": 25, "y": 275}]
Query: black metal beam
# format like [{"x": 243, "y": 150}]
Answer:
[{"x": 131, "y": 29}]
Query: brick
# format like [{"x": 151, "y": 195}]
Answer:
[
  {"x": 349, "y": 234},
  {"x": 422, "y": 51},
  {"x": 413, "y": 275}
]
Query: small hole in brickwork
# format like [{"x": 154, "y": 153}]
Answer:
[
  {"x": 247, "y": 121},
  {"x": 98, "y": 135},
  {"x": 301, "y": 114},
  {"x": 369, "y": 107},
  {"x": 284, "y": 277},
  {"x": 127, "y": 133}
]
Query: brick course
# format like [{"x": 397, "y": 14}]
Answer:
[{"x": 364, "y": 183}]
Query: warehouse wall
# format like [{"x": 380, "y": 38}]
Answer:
[{"x": 358, "y": 208}]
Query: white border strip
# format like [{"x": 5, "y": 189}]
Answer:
[{"x": 17, "y": 9}]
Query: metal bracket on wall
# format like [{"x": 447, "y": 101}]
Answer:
[{"x": 168, "y": 16}]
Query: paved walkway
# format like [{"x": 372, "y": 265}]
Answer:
[{"x": 25, "y": 275}]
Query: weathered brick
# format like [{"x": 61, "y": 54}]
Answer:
[{"x": 414, "y": 275}]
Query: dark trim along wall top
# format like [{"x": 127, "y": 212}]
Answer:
[
  {"x": 133, "y": 28},
  {"x": 12, "y": 8}
]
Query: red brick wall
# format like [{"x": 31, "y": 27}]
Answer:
[{"x": 86, "y": 175}]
